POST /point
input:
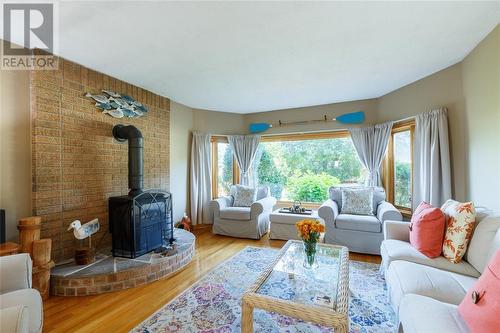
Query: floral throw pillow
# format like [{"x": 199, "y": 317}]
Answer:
[
  {"x": 357, "y": 201},
  {"x": 460, "y": 221},
  {"x": 244, "y": 196}
]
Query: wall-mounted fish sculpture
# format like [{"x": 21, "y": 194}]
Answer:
[{"x": 117, "y": 105}]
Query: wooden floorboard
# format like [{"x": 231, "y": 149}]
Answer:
[{"x": 123, "y": 310}]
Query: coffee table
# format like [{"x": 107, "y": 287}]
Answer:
[{"x": 319, "y": 295}]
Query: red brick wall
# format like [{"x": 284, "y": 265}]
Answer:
[{"x": 76, "y": 163}]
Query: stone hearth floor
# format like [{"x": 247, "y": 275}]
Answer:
[{"x": 110, "y": 273}]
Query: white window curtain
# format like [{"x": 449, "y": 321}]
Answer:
[
  {"x": 432, "y": 168},
  {"x": 371, "y": 145},
  {"x": 244, "y": 148},
  {"x": 201, "y": 185}
]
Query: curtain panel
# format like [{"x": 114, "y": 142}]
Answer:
[
  {"x": 244, "y": 149},
  {"x": 371, "y": 145},
  {"x": 432, "y": 167},
  {"x": 201, "y": 185}
]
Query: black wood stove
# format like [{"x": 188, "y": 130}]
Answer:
[{"x": 141, "y": 221}]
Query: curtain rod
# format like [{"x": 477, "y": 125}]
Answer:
[{"x": 318, "y": 131}]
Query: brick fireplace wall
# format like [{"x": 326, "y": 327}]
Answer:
[{"x": 76, "y": 163}]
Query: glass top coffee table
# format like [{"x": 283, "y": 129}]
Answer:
[{"x": 319, "y": 294}]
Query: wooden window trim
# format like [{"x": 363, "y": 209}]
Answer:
[{"x": 388, "y": 163}]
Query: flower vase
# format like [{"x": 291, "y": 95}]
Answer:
[{"x": 310, "y": 255}]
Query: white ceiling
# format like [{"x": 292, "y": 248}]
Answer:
[{"x": 257, "y": 56}]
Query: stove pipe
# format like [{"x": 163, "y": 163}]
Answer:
[{"x": 123, "y": 133}]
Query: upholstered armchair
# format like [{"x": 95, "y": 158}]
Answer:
[
  {"x": 243, "y": 222},
  {"x": 21, "y": 308},
  {"x": 360, "y": 233}
]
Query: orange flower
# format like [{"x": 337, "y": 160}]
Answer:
[{"x": 309, "y": 230}]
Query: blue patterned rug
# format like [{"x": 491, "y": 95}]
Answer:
[{"x": 212, "y": 305}]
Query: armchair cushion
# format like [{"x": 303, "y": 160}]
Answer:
[
  {"x": 358, "y": 222},
  {"x": 244, "y": 196},
  {"x": 357, "y": 201},
  {"x": 335, "y": 194},
  {"x": 15, "y": 272},
  {"x": 235, "y": 213}
]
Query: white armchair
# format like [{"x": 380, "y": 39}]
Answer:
[
  {"x": 243, "y": 222},
  {"x": 21, "y": 308},
  {"x": 360, "y": 233}
]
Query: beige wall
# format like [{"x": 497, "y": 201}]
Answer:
[
  {"x": 369, "y": 106},
  {"x": 218, "y": 122},
  {"x": 185, "y": 120},
  {"x": 15, "y": 148},
  {"x": 443, "y": 88},
  {"x": 481, "y": 87}
]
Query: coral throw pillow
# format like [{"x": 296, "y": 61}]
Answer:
[
  {"x": 481, "y": 306},
  {"x": 427, "y": 230},
  {"x": 460, "y": 221}
]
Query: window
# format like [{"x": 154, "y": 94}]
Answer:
[
  {"x": 223, "y": 168},
  {"x": 303, "y": 167},
  {"x": 398, "y": 167},
  {"x": 402, "y": 169}
]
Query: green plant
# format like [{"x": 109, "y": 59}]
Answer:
[
  {"x": 269, "y": 174},
  {"x": 310, "y": 187}
]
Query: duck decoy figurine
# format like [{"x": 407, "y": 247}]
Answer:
[{"x": 86, "y": 230}]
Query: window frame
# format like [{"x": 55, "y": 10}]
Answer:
[
  {"x": 271, "y": 138},
  {"x": 388, "y": 164}
]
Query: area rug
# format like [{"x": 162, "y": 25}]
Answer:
[{"x": 212, "y": 305}]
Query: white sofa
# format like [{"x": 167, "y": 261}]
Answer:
[
  {"x": 243, "y": 222},
  {"x": 21, "y": 308},
  {"x": 425, "y": 292}
]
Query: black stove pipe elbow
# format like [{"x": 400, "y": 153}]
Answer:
[{"x": 131, "y": 133}]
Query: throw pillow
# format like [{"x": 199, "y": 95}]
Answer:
[
  {"x": 460, "y": 220},
  {"x": 357, "y": 201},
  {"x": 427, "y": 230},
  {"x": 480, "y": 308},
  {"x": 244, "y": 196}
]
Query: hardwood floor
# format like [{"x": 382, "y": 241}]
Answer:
[{"x": 123, "y": 310}]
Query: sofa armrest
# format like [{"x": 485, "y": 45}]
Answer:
[
  {"x": 14, "y": 319},
  {"x": 263, "y": 205},
  {"x": 398, "y": 230},
  {"x": 15, "y": 272},
  {"x": 220, "y": 203},
  {"x": 328, "y": 211},
  {"x": 386, "y": 211}
]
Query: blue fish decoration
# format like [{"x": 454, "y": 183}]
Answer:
[{"x": 117, "y": 105}]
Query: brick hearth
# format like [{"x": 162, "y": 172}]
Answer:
[{"x": 109, "y": 274}]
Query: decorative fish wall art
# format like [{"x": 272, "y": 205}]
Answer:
[{"x": 117, "y": 105}]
